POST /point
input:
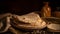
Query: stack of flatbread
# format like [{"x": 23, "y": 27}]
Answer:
[{"x": 31, "y": 20}]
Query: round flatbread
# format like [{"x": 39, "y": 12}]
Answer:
[{"x": 31, "y": 21}]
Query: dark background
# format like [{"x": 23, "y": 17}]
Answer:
[{"x": 25, "y": 6}]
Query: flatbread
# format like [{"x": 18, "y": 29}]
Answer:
[{"x": 32, "y": 18}]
